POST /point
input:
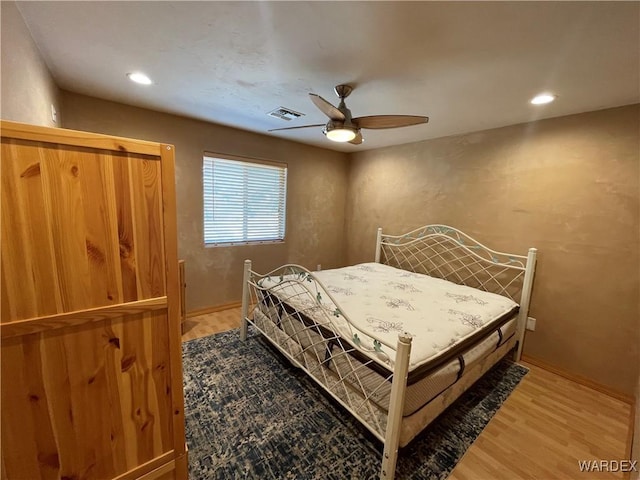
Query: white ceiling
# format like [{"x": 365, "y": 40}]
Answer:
[{"x": 467, "y": 65}]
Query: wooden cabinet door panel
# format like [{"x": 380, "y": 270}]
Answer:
[{"x": 90, "y": 340}]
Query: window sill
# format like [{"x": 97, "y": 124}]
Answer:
[{"x": 243, "y": 244}]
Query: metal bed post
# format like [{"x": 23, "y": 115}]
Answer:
[
  {"x": 245, "y": 299},
  {"x": 527, "y": 286},
  {"x": 378, "y": 244},
  {"x": 396, "y": 405}
]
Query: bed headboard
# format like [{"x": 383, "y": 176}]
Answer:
[{"x": 445, "y": 252}]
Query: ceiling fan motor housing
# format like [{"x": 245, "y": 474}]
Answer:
[
  {"x": 343, "y": 91},
  {"x": 337, "y": 125}
]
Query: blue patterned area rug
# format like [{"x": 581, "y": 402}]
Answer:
[{"x": 250, "y": 414}]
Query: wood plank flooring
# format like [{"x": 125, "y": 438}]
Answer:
[
  {"x": 210, "y": 323},
  {"x": 541, "y": 432}
]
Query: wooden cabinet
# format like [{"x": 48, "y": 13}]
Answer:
[{"x": 90, "y": 313}]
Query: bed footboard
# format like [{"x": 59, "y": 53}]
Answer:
[{"x": 296, "y": 314}]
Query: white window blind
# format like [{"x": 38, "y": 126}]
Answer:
[{"x": 244, "y": 202}]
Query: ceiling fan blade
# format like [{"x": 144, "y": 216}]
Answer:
[
  {"x": 325, "y": 107},
  {"x": 358, "y": 140},
  {"x": 389, "y": 121},
  {"x": 295, "y": 128}
]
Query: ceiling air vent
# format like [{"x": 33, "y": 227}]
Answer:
[{"x": 285, "y": 113}]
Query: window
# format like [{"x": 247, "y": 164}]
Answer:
[{"x": 244, "y": 202}]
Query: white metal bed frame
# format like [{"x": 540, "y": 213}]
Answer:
[{"x": 436, "y": 250}]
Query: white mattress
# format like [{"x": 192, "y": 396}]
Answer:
[{"x": 385, "y": 301}]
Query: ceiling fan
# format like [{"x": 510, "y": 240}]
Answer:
[{"x": 342, "y": 127}]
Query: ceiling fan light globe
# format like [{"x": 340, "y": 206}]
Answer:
[{"x": 340, "y": 134}]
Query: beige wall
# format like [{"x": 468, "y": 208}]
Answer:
[
  {"x": 568, "y": 186},
  {"x": 317, "y": 185},
  {"x": 28, "y": 90}
]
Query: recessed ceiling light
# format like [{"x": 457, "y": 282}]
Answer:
[
  {"x": 140, "y": 78},
  {"x": 543, "y": 98}
]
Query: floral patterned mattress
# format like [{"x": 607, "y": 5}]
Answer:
[{"x": 442, "y": 317}]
